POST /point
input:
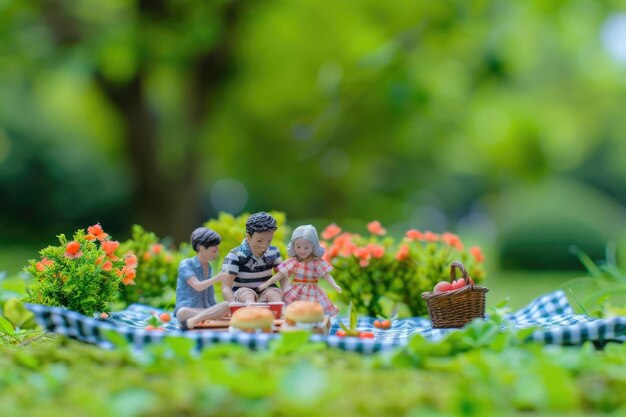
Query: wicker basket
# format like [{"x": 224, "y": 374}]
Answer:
[{"x": 458, "y": 307}]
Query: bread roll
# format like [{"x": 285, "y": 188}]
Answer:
[
  {"x": 252, "y": 318},
  {"x": 304, "y": 312}
]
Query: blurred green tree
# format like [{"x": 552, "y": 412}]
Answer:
[
  {"x": 408, "y": 112},
  {"x": 156, "y": 69}
]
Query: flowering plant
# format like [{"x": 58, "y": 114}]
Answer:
[
  {"x": 374, "y": 268},
  {"x": 157, "y": 273},
  {"x": 83, "y": 274}
]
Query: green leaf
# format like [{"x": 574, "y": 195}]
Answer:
[
  {"x": 294, "y": 342},
  {"x": 353, "y": 317},
  {"x": 117, "y": 339},
  {"x": 20, "y": 316},
  {"x": 6, "y": 327},
  {"x": 591, "y": 267},
  {"x": 182, "y": 347}
]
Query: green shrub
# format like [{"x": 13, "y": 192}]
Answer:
[
  {"x": 82, "y": 275},
  {"x": 157, "y": 270}
]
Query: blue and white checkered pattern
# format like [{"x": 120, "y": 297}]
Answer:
[{"x": 551, "y": 314}]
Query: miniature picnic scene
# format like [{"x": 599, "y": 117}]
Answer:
[{"x": 312, "y": 208}]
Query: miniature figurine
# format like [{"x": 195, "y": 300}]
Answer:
[
  {"x": 250, "y": 264},
  {"x": 195, "y": 294},
  {"x": 306, "y": 266}
]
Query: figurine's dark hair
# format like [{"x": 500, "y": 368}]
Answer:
[
  {"x": 205, "y": 237},
  {"x": 260, "y": 222}
]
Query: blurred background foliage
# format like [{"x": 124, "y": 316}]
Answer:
[{"x": 498, "y": 119}]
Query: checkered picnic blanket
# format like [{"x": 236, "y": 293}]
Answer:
[{"x": 551, "y": 314}]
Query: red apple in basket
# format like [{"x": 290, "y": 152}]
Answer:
[
  {"x": 459, "y": 283},
  {"x": 443, "y": 286}
]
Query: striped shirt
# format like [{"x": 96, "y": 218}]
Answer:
[{"x": 250, "y": 271}]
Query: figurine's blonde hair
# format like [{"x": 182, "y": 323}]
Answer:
[{"x": 306, "y": 232}]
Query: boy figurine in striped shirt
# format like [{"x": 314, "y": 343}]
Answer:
[{"x": 251, "y": 264}]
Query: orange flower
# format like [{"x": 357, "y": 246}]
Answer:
[
  {"x": 414, "y": 234},
  {"x": 107, "y": 266},
  {"x": 147, "y": 256},
  {"x": 45, "y": 262},
  {"x": 362, "y": 253},
  {"x": 130, "y": 260},
  {"x": 403, "y": 253},
  {"x": 156, "y": 248},
  {"x": 96, "y": 232},
  {"x": 109, "y": 246},
  {"x": 128, "y": 278},
  {"x": 453, "y": 240},
  {"x": 72, "y": 250},
  {"x": 376, "y": 228},
  {"x": 99, "y": 260},
  {"x": 348, "y": 249},
  {"x": 477, "y": 253},
  {"x": 377, "y": 251},
  {"x": 364, "y": 263},
  {"x": 331, "y": 231},
  {"x": 343, "y": 238},
  {"x": 127, "y": 274},
  {"x": 430, "y": 236},
  {"x": 333, "y": 251}
]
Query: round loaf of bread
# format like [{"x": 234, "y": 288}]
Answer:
[
  {"x": 252, "y": 318},
  {"x": 304, "y": 312}
]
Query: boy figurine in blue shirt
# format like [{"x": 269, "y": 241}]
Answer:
[
  {"x": 195, "y": 294},
  {"x": 250, "y": 264}
]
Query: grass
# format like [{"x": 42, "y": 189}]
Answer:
[{"x": 521, "y": 287}]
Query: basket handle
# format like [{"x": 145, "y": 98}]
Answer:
[{"x": 461, "y": 267}]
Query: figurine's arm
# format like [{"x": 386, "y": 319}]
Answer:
[
  {"x": 227, "y": 286},
  {"x": 284, "y": 283},
  {"x": 332, "y": 283},
  {"x": 199, "y": 286},
  {"x": 277, "y": 276}
]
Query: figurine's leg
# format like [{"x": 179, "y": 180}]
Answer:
[
  {"x": 215, "y": 312},
  {"x": 245, "y": 295},
  {"x": 184, "y": 313},
  {"x": 271, "y": 295}
]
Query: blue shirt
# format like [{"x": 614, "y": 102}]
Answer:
[
  {"x": 250, "y": 270},
  {"x": 186, "y": 296}
]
